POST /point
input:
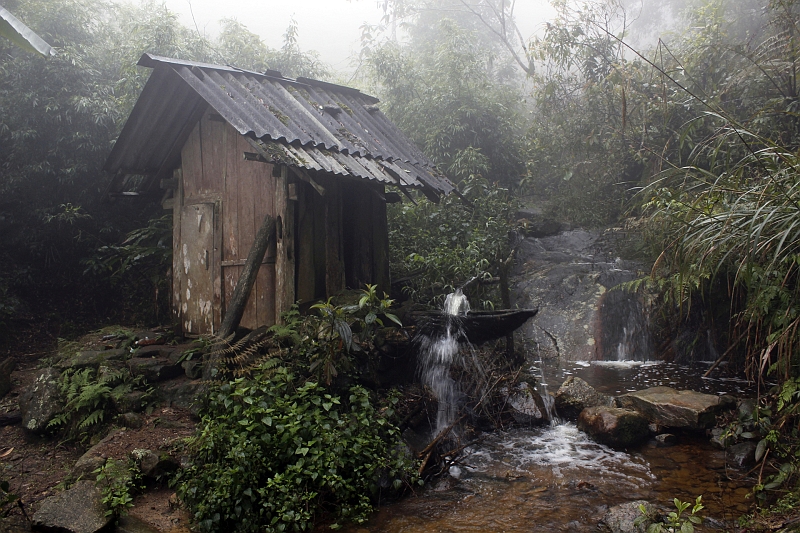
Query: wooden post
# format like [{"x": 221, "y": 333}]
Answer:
[{"x": 244, "y": 285}]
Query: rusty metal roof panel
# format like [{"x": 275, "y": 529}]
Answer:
[{"x": 322, "y": 126}]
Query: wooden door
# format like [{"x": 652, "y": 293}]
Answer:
[{"x": 196, "y": 264}]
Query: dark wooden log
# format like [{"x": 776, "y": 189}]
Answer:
[{"x": 236, "y": 306}]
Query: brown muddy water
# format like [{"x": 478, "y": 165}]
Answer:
[{"x": 556, "y": 479}]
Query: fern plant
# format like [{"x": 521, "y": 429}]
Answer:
[{"x": 90, "y": 397}]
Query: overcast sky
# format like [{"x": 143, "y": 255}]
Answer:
[{"x": 331, "y": 27}]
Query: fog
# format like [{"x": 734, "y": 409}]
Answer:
[{"x": 331, "y": 27}]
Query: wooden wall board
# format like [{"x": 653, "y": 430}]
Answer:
[
  {"x": 213, "y": 157},
  {"x": 334, "y": 264},
  {"x": 284, "y": 251},
  {"x": 305, "y": 274},
  {"x": 191, "y": 163},
  {"x": 380, "y": 241}
]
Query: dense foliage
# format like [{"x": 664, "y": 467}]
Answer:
[
  {"x": 292, "y": 440},
  {"x": 438, "y": 248},
  {"x": 273, "y": 454}
]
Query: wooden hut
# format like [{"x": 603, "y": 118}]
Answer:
[{"x": 225, "y": 147}]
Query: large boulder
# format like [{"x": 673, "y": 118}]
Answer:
[
  {"x": 155, "y": 369},
  {"x": 41, "y": 401},
  {"x": 77, "y": 510},
  {"x": 6, "y": 367},
  {"x": 667, "y": 407},
  {"x": 183, "y": 393},
  {"x": 614, "y": 426},
  {"x": 622, "y": 518},
  {"x": 575, "y": 395},
  {"x": 526, "y": 405},
  {"x": 569, "y": 277}
]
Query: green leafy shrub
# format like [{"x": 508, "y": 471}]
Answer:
[
  {"x": 118, "y": 480},
  {"x": 272, "y": 455},
  {"x": 676, "y": 521}
]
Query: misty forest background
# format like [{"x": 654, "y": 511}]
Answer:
[{"x": 689, "y": 140}]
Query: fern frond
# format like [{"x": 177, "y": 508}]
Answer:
[{"x": 93, "y": 418}]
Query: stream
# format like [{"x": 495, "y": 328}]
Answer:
[{"x": 555, "y": 479}]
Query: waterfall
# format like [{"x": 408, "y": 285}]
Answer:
[
  {"x": 437, "y": 355},
  {"x": 549, "y": 401}
]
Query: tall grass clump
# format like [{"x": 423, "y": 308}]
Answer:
[{"x": 735, "y": 224}]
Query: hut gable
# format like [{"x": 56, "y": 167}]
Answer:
[{"x": 226, "y": 147}]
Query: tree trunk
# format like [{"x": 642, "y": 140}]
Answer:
[{"x": 233, "y": 315}]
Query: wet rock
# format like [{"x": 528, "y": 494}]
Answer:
[
  {"x": 415, "y": 441},
  {"x": 665, "y": 440},
  {"x": 537, "y": 224},
  {"x": 526, "y": 405},
  {"x": 182, "y": 393},
  {"x": 741, "y": 455},
  {"x": 719, "y": 438},
  {"x": 134, "y": 401},
  {"x": 153, "y": 465},
  {"x": 6, "y": 367},
  {"x": 575, "y": 395},
  {"x": 77, "y": 510},
  {"x": 621, "y": 518},
  {"x": 130, "y": 420},
  {"x": 571, "y": 273},
  {"x": 41, "y": 401},
  {"x": 155, "y": 369},
  {"x": 672, "y": 408},
  {"x": 613, "y": 426},
  {"x": 93, "y": 459},
  {"x": 158, "y": 351},
  {"x": 86, "y": 465}
]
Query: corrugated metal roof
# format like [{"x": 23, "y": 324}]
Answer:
[{"x": 305, "y": 123}]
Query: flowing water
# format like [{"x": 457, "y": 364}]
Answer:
[
  {"x": 556, "y": 479},
  {"x": 437, "y": 355}
]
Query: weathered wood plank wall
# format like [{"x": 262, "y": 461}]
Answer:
[{"x": 324, "y": 242}]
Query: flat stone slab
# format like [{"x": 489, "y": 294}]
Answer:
[
  {"x": 668, "y": 407},
  {"x": 77, "y": 510}
]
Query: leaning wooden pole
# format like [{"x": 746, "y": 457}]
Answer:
[{"x": 233, "y": 315}]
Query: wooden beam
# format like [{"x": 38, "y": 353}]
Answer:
[{"x": 305, "y": 176}]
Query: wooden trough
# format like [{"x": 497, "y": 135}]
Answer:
[{"x": 478, "y": 326}]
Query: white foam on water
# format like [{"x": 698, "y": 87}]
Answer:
[
  {"x": 625, "y": 364},
  {"x": 563, "y": 450}
]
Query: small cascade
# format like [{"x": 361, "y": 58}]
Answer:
[
  {"x": 624, "y": 332},
  {"x": 456, "y": 304},
  {"x": 437, "y": 355},
  {"x": 549, "y": 401}
]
